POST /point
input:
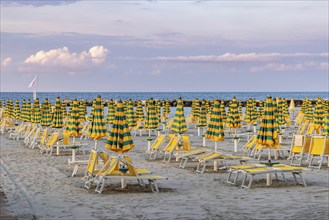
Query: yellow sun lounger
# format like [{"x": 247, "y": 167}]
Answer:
[
  {"x": 248, "y": 147},
  {"x": 156, "y": 146},
  {"x": 319, "y": 150},
  {"x": 299, "y": 147}
]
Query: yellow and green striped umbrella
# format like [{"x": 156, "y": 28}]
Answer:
[
  {"x": 223, "y": 111},
  {"x": 179, "y": 124},
  {"x": 97, "y": 129},
  {"x": 309, "y": 111},
  {"x": 0, "y": 103},
  {"x": 46, "y": 113},
  {"x": 167, "y": 107},
  {"x": 110, "y": 112},
  {"x": 281, "y": 116},
  {"x": 17, "y": 110},
  {"x": 202, "y": 122},
  {"x": 23, "y": 111},
  {"x": 325, "y": 127},
  {"x": 119, "y": 139},
  {"x": 260, "y": 110},
  {"x": 73, "y": 125},
  {"x": 240, "y": 105},
  {"x": 195, "y": 110},
  {"x": 268, "y": 134},
  {"x": 130, "y": 116},
  {"x": 248, "y": 112},
  {"x": 158, "y": 110},
  {"x": 92, "y": 110},
  {"x": 64, "y": 112},
  {"x": 58, "y": 114},
  {"x": 151, "y": 121},
  {"x": 318, "y": 115},
  {"x": 28, "y": 111},
  {"x": 215, "y": 130},
  {"x": 304, "y": 105},
  {"x": 82, "y": 111},
  {"x": 9, "y": 111},
  {"x": 139, "y": 111},
  {"x": 233, "y": 119},
  {"x": 36, "y": 117}
]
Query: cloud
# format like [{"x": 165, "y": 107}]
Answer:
[
  {"x": 62, "y": 57},
  {"x": 6, "y": 62},
  {"x": 280, "y": 67},
  {"x": 37, "y": 3},
  {"x": 243, "y": 57}
]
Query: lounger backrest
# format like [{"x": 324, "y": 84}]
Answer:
[
  {"x": 53, "y": 139},
  {"x": 318, "y": 145},
  {"x": 310, "y": 129},
  {"x": 307, "y": 144},
  {"x": 302, "y": 129},
  {"x": 44, "y": 136},
  {"x": 158, "y": 141},
  {"x": 92, "y": 161},
  {"x": 66, "y": 138},
  {"x": 186, "y": 142},
  {"x": 130, "y": 166},
  {"x": 251, "y": 142},
  {"x": 172, "y": 144},
  {"x": 298, "y": 143},
  {"x": 258, "y": 147}
]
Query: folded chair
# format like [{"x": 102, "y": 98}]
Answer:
[
  {"x": 18, "y": 132},
  {"x": 319, "y": 150},
  {"x": 114, "y": 171},
  {"x": 42, "y": 141},
  {"x": 168, "y": 151},
  {"x": 30, "y": 135},
  {"x": 156, "y": 146},
  {"x": 251, "y": 143},
  {"x": 66, "y": 143},
  {"x": 49, "y": 146},
  {"x": 299, "y": 147}
]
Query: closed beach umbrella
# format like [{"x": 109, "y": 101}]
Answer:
[
  {"x": 17, "y": 110},
  {"x": 260, "y": 110},
  {"x": 309, "y": 111},
  {"x": 281, "y": 116},
  {"x": 46, "y": 113},
  {"x": 325, "y": 127},
  {"x": 119, "y": 139},
  {"x": 130, "y": 114},
  {"x": 23, "y": 111},
  {"x": 82, "y": 111},
  {"x": 202, "y": 122},
  {"x": 233, "y": 119},
  {"x": 268, "y": 134},
  {"x": 58, "y": 114},
  {"x": 110, "y": 112},
  {"x": 292, "y": 105},
  {"x": 167, "y": 107},
  {"x": 248, "y": 112},
  {"x": 223, "y": 111},
  {"x": 64, "y": 112},
  {"x": 151, "y": 120},
  {"x": 28, "y": 111},
  {"x": 158, "y": 110},
  {"x": 215, "y": 130},
  {"x": 318, "y": 115},
  {"x": 36, "y": 117},
  {"x": 195, "y": 110},
  {"x": 9, "y": 112},
  {"x": 73, "y": 125},
  {"x": 179, "y": 124},
  {"x": 139, "y": 111},
  {"x": 97, "y": 129}
]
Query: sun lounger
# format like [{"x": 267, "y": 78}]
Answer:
[
  {"x": 156, "y": 146},
  {"x": 299, "y": 147},
  {"x": 168, "y": 151},
  {"x": 112, "y": 170},
  {"x": 319, "y": 150},
  {"x": 189, "y": 155},
  {"x": 48, "y": 147},
  {"x": 248, "y": 147}
]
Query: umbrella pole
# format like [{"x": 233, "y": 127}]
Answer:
[
  {"x": 73, "y": 151},
  {"x": 216, "y": 162},
  {"x": 95, "y": 147},
  {"x": 235, "y": 142},
  {"x": 269, "y": 176},
  {"x": 204, "y": 141},
  {"x": 149, "y": 132},
  {"x": 198, "y": 131}
]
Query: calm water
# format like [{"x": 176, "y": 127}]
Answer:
[{"x": 163, "y": 95}]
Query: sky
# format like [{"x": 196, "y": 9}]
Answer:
[{"x": 165, "y": 46}]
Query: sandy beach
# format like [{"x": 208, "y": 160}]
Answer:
[{"x": 40, "y": 187}]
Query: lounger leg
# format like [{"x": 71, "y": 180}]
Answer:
[
  {"x": 302, "y": 179},
  {"x": 153, "y": 185},
  {"x": 75, "y": 170},
  {"x": 204, "y": 166},
  {"x": 100, "y": 185},
  {"x": 294, "y": 175},
  {"x": 244, "y": 178}
]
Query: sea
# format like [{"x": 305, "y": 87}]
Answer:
[{"x": 243, "y": 96}]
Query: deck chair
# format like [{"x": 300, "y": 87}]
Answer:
[
  {"x": 190, "y": 155},
  {"x": 68, "y": 144},
  {"x": 49, "y": 146},
  {"x": 42, "y": 141},
  {"x": 276, "y": 169},
  {"x": 310, "y": 130},
  {"x": 112, "y": 171},
  {"x": 301, "y": 130},
  {"x": 30, "y": 135},
  {"x": 299, "y": 147},
  {"x": 251, "y": 143},
  {"x": 168, "y": 151},
  {"x": 138, "y": 126},
  {"x": 168, "y": 126},
  {"x": 156, "y": 146},
  {"x": 319, "y": 150}
]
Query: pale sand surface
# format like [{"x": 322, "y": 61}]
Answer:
[{"x": 40, "y": 187}]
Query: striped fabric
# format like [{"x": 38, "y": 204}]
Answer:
[
  {"x": 215, "y": 130},
  {"x": 158, "y": 110},
  {"x": 46, "y": 113},
  {"x": 139, "y": 111},
  {"x": 233, "y": 119},
  {"x": 130, "y": 116},
  {"x": 268, "y": 131},
  {"x": 23, "y": 110},
  {"x": 202, "y": 122},
  {"x": 92, "y": 110},
  {"x": 318, "y": 115},
  {"x": 248, "y": 112},
  {"x": 36, "y": 117},
  {"x": 9, "y": 110},
  {"x": 73, "y": 125},
  {"x": 28, "y": 111},
  {"x": 281, "y": 116},
  {"x": 110, "y": 112},
  {"x": 58, "y": 115},
  {"x": 223, "y": 111},
  {"x": 195, "y": 110},
  {"x": 119, "y": 139},
  {"x": 151, "y": 121},
  {"x": 309, "y": 110},
  {"x": 17, "y": 110},
  {"x": 260, "y": 111},
  {"x": 82, "y": 112},
  {"x": 64, "y": 112},
  {"x": 179, "y": 123},
  {"x": 325, "y": 128},
  {"x": 97, "y": 129}
]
